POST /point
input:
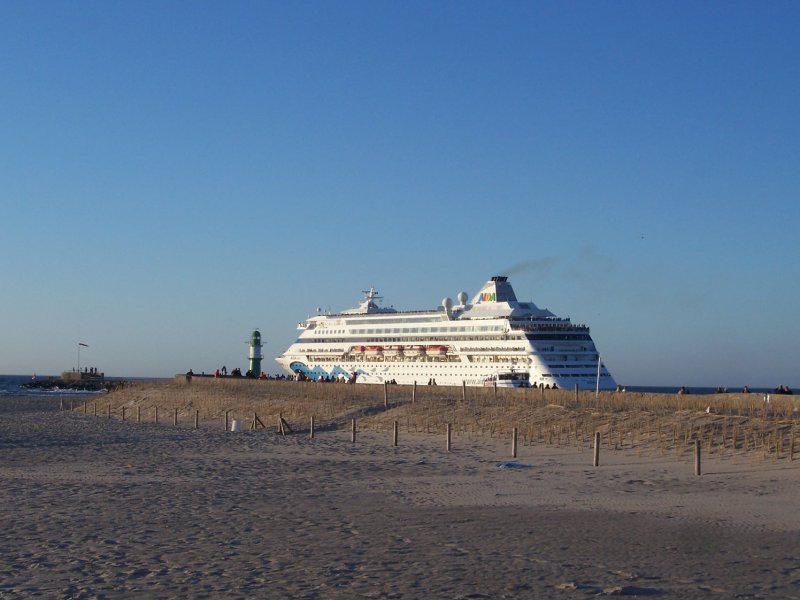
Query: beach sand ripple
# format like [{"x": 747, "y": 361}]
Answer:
[{"x": 95, "y": 507}]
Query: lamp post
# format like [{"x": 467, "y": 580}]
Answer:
[{"x": 79, "y": 354}]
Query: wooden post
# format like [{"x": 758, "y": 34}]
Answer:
[
  {"x": 123, "y": 413},
  {"x": 196, "y": 418},
  {"x": 576, "y": 393},
  {"x": 311, "y": 431},
  {"x": 175, "y": 417},
  {"x": 108, "y": 410},
  {"x": 791, "y": 445},
  {"x": 281, "y": 428},
  {"x": 94, "y": 406},
  {"x": 385, "y": 395},
  {"x": 448, "y": 438},
  {"x": 414, "y": 392},
  {"x": 71, "y": 406},
  {"x": 156, "y": 415},
  {"x": 285, "y": 427},
  {"x": 226, "y": 420},
  {"x": 464, "y": 390},
  {"x": 84, "y": 407},
  {"x": 697, "y": 470},
  {"x": 394, "y": 434},
  {"x": 514, "y": 443},
  {"x": 494, "y": 385},
  {"x": 61, "y": 404},
  {"x": 353, "y": 431},
  {"x": 138, "y": 414},
  {"x": 596, "y": 459}
]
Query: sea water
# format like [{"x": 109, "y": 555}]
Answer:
[{"x": 11, "y": 385}]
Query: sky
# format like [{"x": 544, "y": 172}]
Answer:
[{"x": 175, "y": 174}]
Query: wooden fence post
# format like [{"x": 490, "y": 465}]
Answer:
[
  {"x": 175, "y": 418},
  {"x": 123, "y": 413},
  {"x": 394, "y": 434},
  {"x": 311, "y": 431},
  {"x": 596, "y": 459},
  {"x": 697, "y": 470},
  {"x": 448, "y": 437},
  {"x": 138, "y": 414},
  {"x": 514, "y": 443},
  {"x": 464, "y": 390},
  {"x": 108, "y": 411},
  {"x": 385, "y": 395},
  {"x": 196, "y": 418},
  {"x": 414, "y": 392},
  {"x": 156, "y": 417},
  {"x": 226, "y": 420},
  {"x": 353, "y": 431}
]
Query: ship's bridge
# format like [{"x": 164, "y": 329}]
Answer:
[{"x": 368, "y": 306}]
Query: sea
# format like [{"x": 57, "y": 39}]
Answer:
[{"x": 11, "y": 385}]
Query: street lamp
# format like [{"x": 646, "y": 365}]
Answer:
[{"x": 79, "y": 354}]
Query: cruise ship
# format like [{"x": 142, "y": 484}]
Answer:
[{"x": 492, "y": 340}]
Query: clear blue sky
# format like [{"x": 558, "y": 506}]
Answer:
[{"x": 174, "y": 174}]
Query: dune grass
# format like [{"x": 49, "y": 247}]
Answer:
[{"x": 726, "y": 424}]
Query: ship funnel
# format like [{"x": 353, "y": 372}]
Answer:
[{"x": 497, "y": 289}]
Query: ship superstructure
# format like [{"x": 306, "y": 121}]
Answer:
[{"x": 492, "y": 340}]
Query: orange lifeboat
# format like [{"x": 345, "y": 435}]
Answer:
[
  {"x": 374, "y": 350},
  {"x": 437, "y": 350},
  {"x": 359, "y": 349}
]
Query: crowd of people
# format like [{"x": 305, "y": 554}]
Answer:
[
  {"x": 341, "y": 378},
  {"x": 783, "y": 389},
  {"x": 223, "y": 372}
]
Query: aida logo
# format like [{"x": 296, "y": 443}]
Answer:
[{"x": 488, "y": 297}]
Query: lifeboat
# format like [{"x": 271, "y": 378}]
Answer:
[
  {"x": 373, "y": 350},
  {"x": 393, "y": 350},
  {"x": 436, "y": 350},
  {"x": 414, "y": 350},
  {"x": 359, "y": 349}
]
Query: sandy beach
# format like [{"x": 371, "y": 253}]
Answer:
[{"x": 96, "y": 507}]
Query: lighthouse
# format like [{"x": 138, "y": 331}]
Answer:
[{"x": 255, "y": 353}]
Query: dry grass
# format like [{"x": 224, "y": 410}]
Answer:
[{"x": 727, "y": 424}]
